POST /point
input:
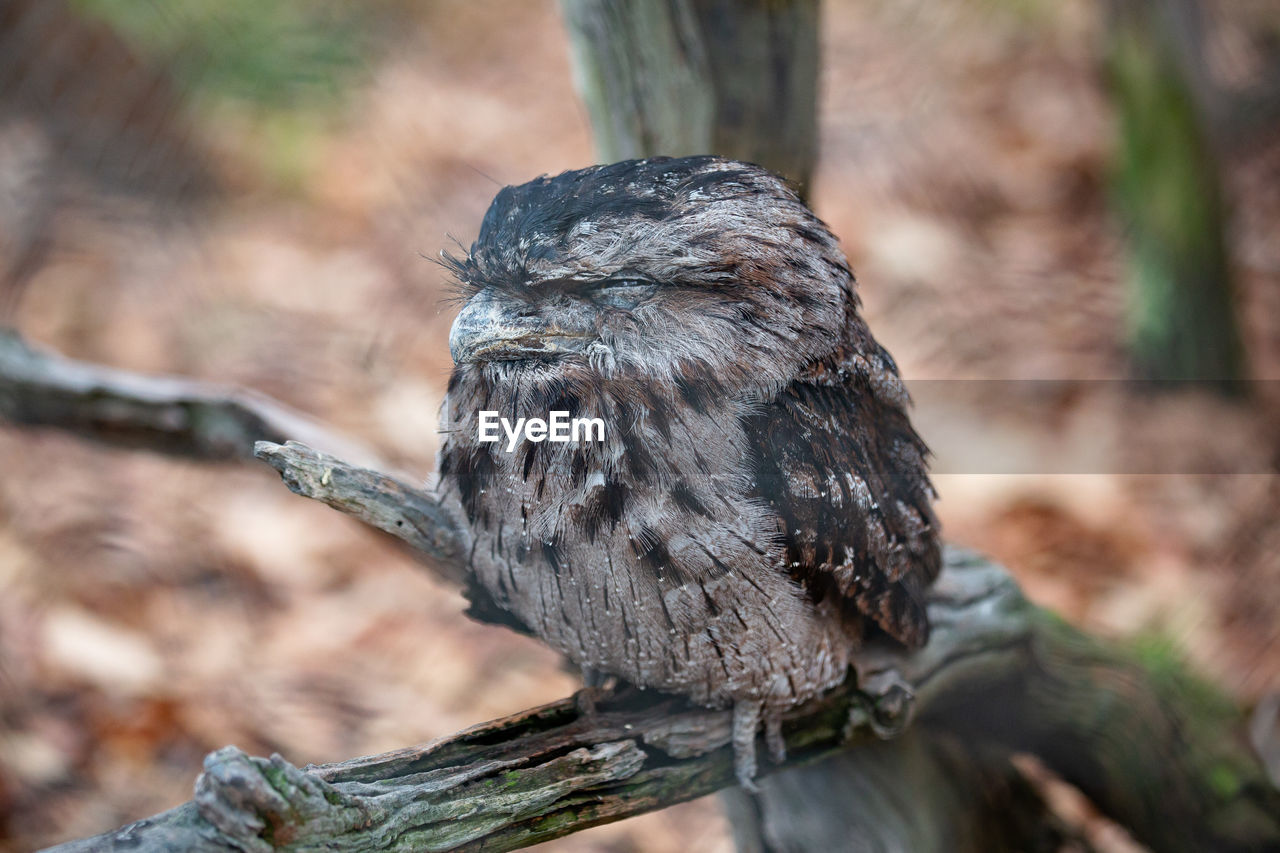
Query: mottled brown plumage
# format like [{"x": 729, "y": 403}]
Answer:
[{"x": 760, "y": 501}]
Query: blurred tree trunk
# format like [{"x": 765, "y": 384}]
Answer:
[
  {"x": 108, "y": 120},
  {"x": 1181, "y": 313},
  {"x": 922, "y": 793},
  {"x": 737, "y": 78}
]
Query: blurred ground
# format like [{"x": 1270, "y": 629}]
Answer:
[{"x": 153, "y": 610}]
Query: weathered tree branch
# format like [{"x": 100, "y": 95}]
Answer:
[
  {"x": 999, "y": 675},
  {"x": 557, "y": 769},
  {"x": 166, "y": 414},
  {"x": 379, "y": 500}
]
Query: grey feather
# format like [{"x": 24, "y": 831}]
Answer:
[{"x": 759, "y": 502}]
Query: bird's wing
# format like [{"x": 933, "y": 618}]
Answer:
[{"x": 838, "y": 460}]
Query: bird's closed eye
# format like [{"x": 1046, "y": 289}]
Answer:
[{"x": 623, "y": 292}]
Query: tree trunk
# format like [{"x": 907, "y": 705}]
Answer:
[
  {"x": 1181, "y": 314},
  {"x": 731, "y": 77}
]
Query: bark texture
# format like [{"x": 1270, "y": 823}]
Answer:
[
  {"x": 999, "y": 676},
  {"x": 164, "y": 414},
  {"x": 727, "y": 77}
]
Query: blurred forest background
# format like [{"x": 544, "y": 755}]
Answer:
[{"x": 254, "y": 193}]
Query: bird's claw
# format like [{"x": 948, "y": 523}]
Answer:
[
  {"x": 747, "y": 717},
  {"x": 746, "y": 723}
]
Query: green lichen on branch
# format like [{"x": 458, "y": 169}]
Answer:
[{"x": 998, "y": 677}]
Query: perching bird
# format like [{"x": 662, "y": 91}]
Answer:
[{"x": 759, "y": 502}]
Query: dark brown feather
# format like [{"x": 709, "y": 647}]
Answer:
[{"x": 845, "y": 472}]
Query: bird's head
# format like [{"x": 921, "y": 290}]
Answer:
[{"x": 658, "y": 270}]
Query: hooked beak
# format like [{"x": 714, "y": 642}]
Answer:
[{"x": 490, "y": 329}]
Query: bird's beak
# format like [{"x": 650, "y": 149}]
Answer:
[{"x": 493, "y": 329}]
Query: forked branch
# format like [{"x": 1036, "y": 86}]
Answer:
[
  {"x": 558, "y": 769},
  {"x": 998, "y": 676}
]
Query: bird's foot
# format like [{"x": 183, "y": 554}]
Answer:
[{"x": 746, "y": 723}]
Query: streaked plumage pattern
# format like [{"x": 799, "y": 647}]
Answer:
[{"x": 760, "y": 501}]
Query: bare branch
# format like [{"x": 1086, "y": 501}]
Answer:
[
  {"x": 166, "y": 414},
  {"x": 557, "y": 769},
  {"x": 377, "y": 499},
  {"x": 998, "y": 676}
]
